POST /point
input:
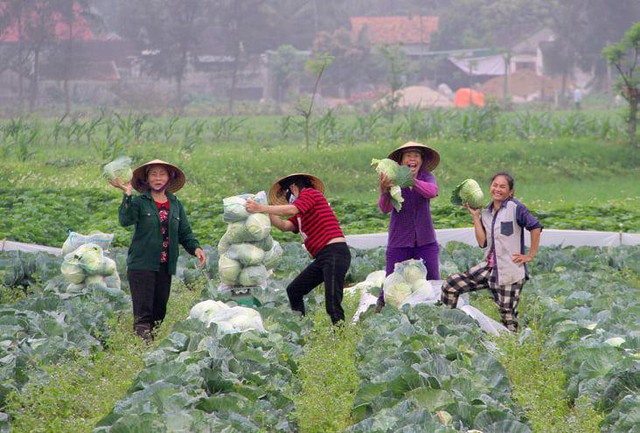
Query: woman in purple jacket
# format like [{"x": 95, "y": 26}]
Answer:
[{"x": 411, "y": 231}]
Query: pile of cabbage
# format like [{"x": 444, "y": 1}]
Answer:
[
  {"x": 228, "y": 319},
  {"x": 88, "y": 267},
  {"x": 408, "y": 284},
  {"x": 399, "y": 175},
  {"x": 247, "y": 250}
]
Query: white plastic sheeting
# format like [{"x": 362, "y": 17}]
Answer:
[
  {"x": 29, "y": 248},
  {"x": 549, "y": 237}
]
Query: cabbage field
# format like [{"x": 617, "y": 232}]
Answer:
[
  {"x": 69, "y": 362},
  {"x": 421, "y": 368}
]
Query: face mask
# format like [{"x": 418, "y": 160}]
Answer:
[{"x": 290, "y": 197}]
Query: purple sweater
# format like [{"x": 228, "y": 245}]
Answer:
[{"x": 412, "y": 226}]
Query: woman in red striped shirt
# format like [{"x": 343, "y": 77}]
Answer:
[{"x": 299, "y": 197}]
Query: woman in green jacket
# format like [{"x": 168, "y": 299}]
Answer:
[{"x": 160, "y": 224}]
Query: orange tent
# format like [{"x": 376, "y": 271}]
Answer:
[{"x": 466, "y": 96}]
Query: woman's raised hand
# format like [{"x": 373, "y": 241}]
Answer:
[
  {"x": 118, "y": 184},
  {"x": 385, "y": 184}
]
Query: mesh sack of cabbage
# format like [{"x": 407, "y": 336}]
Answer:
[
  {"x": 234, "y": 207},
  {"x": 247, "y": 250},
  {"x": 408, "y": 285},
  {"x": 227, "y": 319},
  {"x": 87, "y": 266}
]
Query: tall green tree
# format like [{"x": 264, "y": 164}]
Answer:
[{"x": 624, "y": 57}]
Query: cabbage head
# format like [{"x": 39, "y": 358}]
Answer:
[
  {"x": 236, "y": 233},
  {"x": 90, "y": 257},
  {"x": 258, "y": 226},
  {"x": 119, "y": 169},
  {"x": 71, "y": 270},
  {"x": 411, "y": 270},
  {"x": 396, "y": 289},
  {"x": 229, "y": 270},
  {"x": 224, "y": 244},
  {"x": 400, "y": 175},
  {"x": 253, "y": 276},
  {"x": 468, "y": 192},
  {"x": 265, "y": 244},
  {"x": 108, "y": 267},
  {"x": 246, "y": 254},
  {"x": 234, "y": 208},
  {"x": 397, "y": 293},
  {"x": 96, "y": 282},
  {"x": 113, "y": 281}
]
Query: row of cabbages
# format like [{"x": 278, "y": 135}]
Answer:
[{"x": 247, "y": 250}]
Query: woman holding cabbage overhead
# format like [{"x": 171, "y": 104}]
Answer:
[
  {"x": 499, "y": 227},
  {"x": 300, "y": 197},
  {"x": 411, "y": 231},
  {"x": 160, "y": 225}
]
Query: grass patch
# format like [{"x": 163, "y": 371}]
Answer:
[
  {"x": 328, "y": 374},
  {"x": 536, "y": 374}
]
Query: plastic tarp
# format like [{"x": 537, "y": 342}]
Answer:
[
  {"x": 465, "y": 235},
  {"x": 549, "y": 238},
  {"x": 465, "y": 97},
  {"x": 29, "y": 248},
  {"x": 488, "y": 65}
]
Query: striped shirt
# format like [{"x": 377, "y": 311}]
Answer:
[{"x": 315, "y": 220}]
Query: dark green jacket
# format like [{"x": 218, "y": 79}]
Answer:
[{"x": 146, "y": 245}]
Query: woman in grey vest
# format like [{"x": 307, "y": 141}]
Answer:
[{"x": 499, "y": 228}]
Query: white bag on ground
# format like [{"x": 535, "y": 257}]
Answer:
[{"x": 227, "y": 319}]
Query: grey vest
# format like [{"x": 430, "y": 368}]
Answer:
[{"x": 507, "y": 236}]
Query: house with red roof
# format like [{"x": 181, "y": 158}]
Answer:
[
  {"x": 67, "y": 51},
  {"x": 411, "y": 33}
]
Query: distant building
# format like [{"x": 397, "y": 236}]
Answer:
[
  {"x": 412, "y": 34},
  {"x": 90, "y": 58}
]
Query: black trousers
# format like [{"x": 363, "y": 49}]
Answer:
[
  {"x": 329, "y": 266},
  {"x": 149, "y": 296}
]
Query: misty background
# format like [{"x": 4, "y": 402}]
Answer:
[{"x": 258, "y": 56}]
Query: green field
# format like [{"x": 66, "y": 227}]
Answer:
[
  {"x": 52, "y": 168},
  {"x": 573, "y": 170}
]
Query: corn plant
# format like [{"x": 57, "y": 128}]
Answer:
[
  {"x": 170, "y": 128},
  {"x": 24, "y": 142},
  {"x": 193, "y": 135},
  {"x": 90, "y": 127},
  {"x": 131, "y": 126},
  {"x": 224, "y": 128},
  {"x": 58, "y": 128},
  {"x": 325, "y": 129},
  {"x": 285, "y": 126},
  {"x": 365, "y": 126}
]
